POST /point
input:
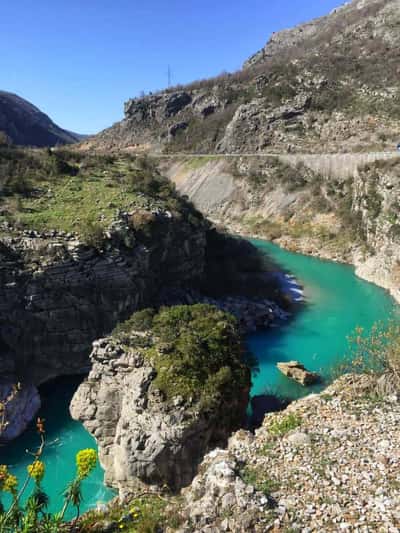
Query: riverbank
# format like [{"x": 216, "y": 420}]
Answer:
[
  {"x": 329, "y": 462},
  {"x": 375, "y": 270}
]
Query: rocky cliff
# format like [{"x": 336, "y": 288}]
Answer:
[
  {"x": 88, "y": 242},
  {"x": 24, "y": 124},
  {"x": 326, "y": 86},
  {"x": 157, "y": 400},
  {"x": 347, "y": 218},
  {"x": 377, "y": 200}
]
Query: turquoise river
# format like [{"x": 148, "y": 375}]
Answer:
[{"x": 336, "y": 301}]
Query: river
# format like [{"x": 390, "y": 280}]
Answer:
[{"x": 336, "y": 301}]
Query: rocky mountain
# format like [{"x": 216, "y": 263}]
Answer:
[
  {"x": 330, "y": 85},
  {"x": 24, "y": 124}
]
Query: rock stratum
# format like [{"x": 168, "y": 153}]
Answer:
[{"x": 24, "y": 124}]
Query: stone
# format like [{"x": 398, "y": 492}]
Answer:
[
  {"x": 20, "y": 408},
  {"x": 299, "y": 438},
  {"x": 296, "y": 371}
]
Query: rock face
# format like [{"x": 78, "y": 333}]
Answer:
[
  {"x": 24, "y": 124},
  {"x": 144, "y": 437},
  {"x": 54, "y": 306},
  {"x": 376, "y": 199},
  {"x": 20, "y": 408},
  {"x": 296, "y": 371}
]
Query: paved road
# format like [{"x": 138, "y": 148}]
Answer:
[{"x": 340, "y": 165}]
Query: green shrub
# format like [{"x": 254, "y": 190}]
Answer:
[
  {"x": 377, "y": 351},
  {"x": 196, "y": 350},
  {"x": 279, "y": 428}
]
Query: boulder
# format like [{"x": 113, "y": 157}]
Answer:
[{"x": 297, "y": 371}]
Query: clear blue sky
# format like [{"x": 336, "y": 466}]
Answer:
[{"x": 79, "y": 60}]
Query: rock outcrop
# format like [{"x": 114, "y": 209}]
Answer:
[
  {"x": 18, "y": 407},
  {"x": 297, "y": 371},
  {"x": 146, "y": 435}
]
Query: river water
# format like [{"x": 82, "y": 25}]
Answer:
[{"x": 336, "y": 301}]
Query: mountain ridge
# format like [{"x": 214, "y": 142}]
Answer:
[
  {"x": 329, "y": 85},
  {"x": 25, "y": 124}
]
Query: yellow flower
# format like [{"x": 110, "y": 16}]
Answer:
[
  {"x": 36, "y": 470},
  {"x": 8, "y": 482},
  {"x": 85, "y": 462}
]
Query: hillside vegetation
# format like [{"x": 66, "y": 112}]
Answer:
[
  {"x": 23, "y": 124},
  {"x": 80, "y": 194},
  {"x": 326, "y": 86}
]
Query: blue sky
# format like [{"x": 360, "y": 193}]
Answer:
[{"x": 79, "y": 60}]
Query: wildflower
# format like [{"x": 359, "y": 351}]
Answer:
[
  {"x": 8, "y": 482},
  {"x": 85, "y": 462},
  {"x": 36, "y": 470}
]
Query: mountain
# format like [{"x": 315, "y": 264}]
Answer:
[
  {"x": 330, "y": 85},
  {"x": 24, "y": 124}
]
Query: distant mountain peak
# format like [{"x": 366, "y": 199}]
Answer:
[{"x": 24, "y": 124}]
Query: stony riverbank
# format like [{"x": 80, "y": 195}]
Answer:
[{"x": 329, "y": 462}]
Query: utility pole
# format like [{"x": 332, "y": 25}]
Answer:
[{"x": 169, "y": 76}]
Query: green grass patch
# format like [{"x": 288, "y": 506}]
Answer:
[
  {"x": 259, "y": 480},
  {"x": 279, "y": 428},
  {"x": 82, "y": 194}
]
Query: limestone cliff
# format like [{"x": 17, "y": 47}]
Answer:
[
  {"x": 348, "y": 217},
  {"x": 377, "y": 199},
  {"x": 156, "y": 401}
]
